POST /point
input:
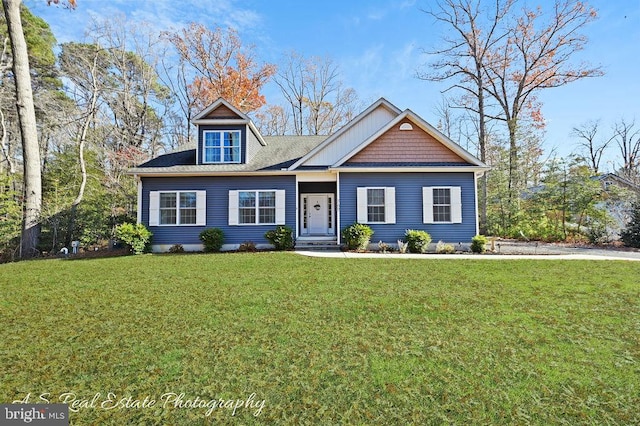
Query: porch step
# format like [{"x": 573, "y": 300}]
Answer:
[{"x": 317, "y": 244}]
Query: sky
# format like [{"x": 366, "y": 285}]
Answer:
[{"x": 379, "y": 47}]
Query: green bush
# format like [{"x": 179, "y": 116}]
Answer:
[
  {"x": 357, "y": 236},
  {"x": 281, "y": 237},
  {"x": 478, "y": 244},
  {"x": 137, "y": 237},
  {"x": 417, "y": 240},
  {"x": 212, "y": 239},
  {"x": 630, "y": 236}
]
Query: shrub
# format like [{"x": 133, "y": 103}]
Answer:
[
  {"x": 417, "y": 240},
  {"x": 212, "y": 239},
  {"x": 402, "y": 246},
  {"x": 137, "y": 237},
  {"x": 176, "y": 248},
  {"x": 357, "y": 236},
  {"x": 248, "y": 246},
  {"x": 630, "y": 236},
  {"x": 281, "y": 237},
  {"x": 444, "y": 248},
  {"x": 478, "y": 244}
]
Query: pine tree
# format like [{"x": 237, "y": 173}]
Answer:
[{"x": 630, "y": 236}]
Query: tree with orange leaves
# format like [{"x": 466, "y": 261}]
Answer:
[
  {"x": 538, "y": 54},
  {"x": 224, "y": 67}
]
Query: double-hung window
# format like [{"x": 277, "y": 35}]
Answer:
[
  {"x": 256, "y": 207},
  {"x": 376, "y": 205},
  {"x": 177, "y": 208},
  {"x": 442, "y": 204},
  {"x": 221, "y": 146}
]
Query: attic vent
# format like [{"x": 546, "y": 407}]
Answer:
[{"x": 406, "y": 126}]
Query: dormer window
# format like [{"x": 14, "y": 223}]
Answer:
[{"x": 221, "y": 146}]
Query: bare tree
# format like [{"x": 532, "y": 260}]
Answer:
[
  {"x": 627, "y": 137},
  {"x": 291, "y": 78},
  {"x": 318, "y": 101},
  {"x": 590, "y": 144},
  {"x": 536, "y": 55},
  {"x": 272, "y": 121},
  {"x": 476, "y": 32}
]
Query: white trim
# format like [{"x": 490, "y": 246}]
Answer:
[
  {"x": 330, "y": 228},
  {"x": 234, "y": 207},
  {"x": 139, "y": 207},
  {"x": 455, "y": 193},
  {"x": 315, "y": 176},
  {"x": 215, "y": 105},
  {"x": 154, "y": 207},
  {"x": 380, "y": 102},
  {"x": 362, "y": 211},
  {"x": 475, "y": 190},
  {"x": 337, "y": 207},
  {"x": 418, "y": 121},
  {"x": 411, "y": 169},
  {"x": 221, "y": 147}
]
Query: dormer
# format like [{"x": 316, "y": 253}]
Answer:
[{"x": 225, "y": 135}]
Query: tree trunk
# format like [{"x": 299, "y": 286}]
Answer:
[
  {"x": 513, "y": 163},
  {"x": 28, "y": 131},
  {"x": 482, "y": 144}
]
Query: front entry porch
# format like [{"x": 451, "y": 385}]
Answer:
[{"x": 317, "y": 216}]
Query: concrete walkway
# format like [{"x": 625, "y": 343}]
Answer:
[{"x": 351, "y": 255}]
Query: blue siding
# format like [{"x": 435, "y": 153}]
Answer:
[
  {"x": 409, "y": 204},
  {"x": 218, "y": 207}
]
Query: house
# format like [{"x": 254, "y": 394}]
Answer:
[{"x": 386, "y": 168}]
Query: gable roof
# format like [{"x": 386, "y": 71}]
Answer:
[
  {"x": 426, "y": 127},
  {"x": 203, "y": 117},
  {"x": 382, "y": 102}
]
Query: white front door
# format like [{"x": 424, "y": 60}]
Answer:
[{"x": 317, "y": 214}]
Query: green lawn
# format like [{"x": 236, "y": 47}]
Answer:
[{"x": 324, "y": 341}]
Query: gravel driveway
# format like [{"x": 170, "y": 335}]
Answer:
[{"x": 520, "y": 247}]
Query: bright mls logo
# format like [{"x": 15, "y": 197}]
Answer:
[{"x": 34, "y": 414}]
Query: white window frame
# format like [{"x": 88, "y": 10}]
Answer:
[
  {"x": 221, "y": 148},
  {"x": 362, "y": 214},
  {"x": 154, "y": 208},
  {"x": 455, "y": 200},
  {"x": 234, "y": 207}
]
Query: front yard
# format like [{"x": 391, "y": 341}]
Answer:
[{"x": 323, "y": 341}]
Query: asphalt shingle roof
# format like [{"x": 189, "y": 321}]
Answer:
[{"x": 280, "y": 152}]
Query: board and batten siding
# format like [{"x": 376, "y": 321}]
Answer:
[
  {"x": 217, "y": 196},
  {"x": 352, "y": 137},
  {"x": 408, "y": 198}
]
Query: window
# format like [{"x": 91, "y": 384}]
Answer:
[
  {"x": 221, "y": 146},
  {"x": 177, "y": 208},
  {"x": 256, "y": 207},
  {"x": 442, "y": 204},
  {"x": 376, "y": 205}
]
